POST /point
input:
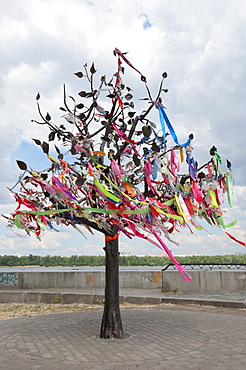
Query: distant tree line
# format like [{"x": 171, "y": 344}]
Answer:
[{"x": 132, "y": 260}]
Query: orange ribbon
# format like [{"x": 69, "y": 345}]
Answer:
[{"x": 109, "y": 238}]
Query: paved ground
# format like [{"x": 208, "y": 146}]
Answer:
[{"x": 168, "y": 337}]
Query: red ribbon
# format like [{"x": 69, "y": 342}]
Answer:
[{"x": 236, "y": 240}]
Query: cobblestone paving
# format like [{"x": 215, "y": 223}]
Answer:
[{"x": 167, "y": 338}]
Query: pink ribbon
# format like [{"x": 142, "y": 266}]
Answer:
[
  {"x": 118, "y": 170},
  {"x": 175, "y": 164},
  {"x": 197, "y": 193},
  {"x": 162, "y": 246}
]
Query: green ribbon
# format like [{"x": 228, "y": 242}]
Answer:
[
  {"x": 214, "y": 203},
  {"x": 50, "y": 212},
  {"x": 218, "y": 161},
  {"x": 100, "y": 210},
  {"x": 228, "y": 174},
  {"x": 17, "y": 222},
  {"x": 114, "y": 211},
  {"x": 221, "y": 222}
]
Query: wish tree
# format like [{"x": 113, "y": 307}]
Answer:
[{"x": 118, "y": 171}]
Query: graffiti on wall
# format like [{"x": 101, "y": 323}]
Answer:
[
  {"x": 89, "y": 278},
  {"x": 9, "y": 278},
  {"x": 155, "y": 278}
]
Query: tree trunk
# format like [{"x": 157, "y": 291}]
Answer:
[{"x": 111, "y": 326}]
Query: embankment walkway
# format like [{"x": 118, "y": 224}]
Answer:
[{"x": 171, "y": 336}]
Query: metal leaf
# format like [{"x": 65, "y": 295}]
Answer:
[
  {"x": 152, "y": 124},
  {"x": 51, "y": 136},
  {"x": 80, "y": 181},
  {"x": 80, "y": 106},
  {"x": 79, "y": 74},
  {"x": 146, "y": 130},
  {"x": 93, "y": 69},
  {"x": 155, "y": 147},
  {"x": 228, "y": 163},
  {"x": 82, "y": 94},
  {"x": 38, "y": 142},
  {"x": 73, "y": 151},
  {"x": 45, "y": 147},
  {"x": 213, "y": 150},
  {"x": 21, "y": 165},
  {"x": 48, "y": 118},
  {"x": 128, "y": 96},
  {"x": 57, "y": 150},
  {"x": 136, "y": 160},
  {"x": 44, "y": 176}
]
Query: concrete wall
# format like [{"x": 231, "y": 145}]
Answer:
[
  {"x": 205, "y": 281},
  {"x": 168, "y": 281},
  {"x": 78, "y": 279}
]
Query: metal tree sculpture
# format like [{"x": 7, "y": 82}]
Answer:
[{"x": 129, "y": 184}]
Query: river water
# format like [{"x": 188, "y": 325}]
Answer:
[
  {"x": 75, "y": 268},
  {"x": 102, "y": 268}
]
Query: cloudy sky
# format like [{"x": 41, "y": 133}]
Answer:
[{"x": 201, "y": 45}]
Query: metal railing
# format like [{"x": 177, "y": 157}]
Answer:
[{"x": 219, "y": 266}]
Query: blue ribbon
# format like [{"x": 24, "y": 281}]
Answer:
[
  {"x": 20, "y": 178},
  {"x": 163, "y": 119},
  {"x": 144, "y": 139},
  {"x": 160, "y": 142},
  {"x": 192, "y": 165},
  {"x": 155, "y": 169},
  {"x": 148, "y": 151}
]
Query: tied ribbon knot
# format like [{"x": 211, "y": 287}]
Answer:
[{"x": 109, "y": 238}]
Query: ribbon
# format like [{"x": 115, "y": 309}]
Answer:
[
  {"x": 189, "y": 205},
  {"x": 213, "y": 201},
  {"x": 197, "y": 193},
  {"x": 20, "y": 178},
  {"x": 61, "y": 188},
  {"x": 163, "y": 119},
  {"x": 175, "y": 165},
  {"x": 125, "y": 195},
  {"x": 181, "y": 153},
  {"x": 129, "y": 189},
  {"x": 181, "y": 269},
  {"x": 155, "y": 170},
  {"x": 169, "y": 215},
  {"x": 160, "y": 142},
  {"x": 109, "y": 196},
  {"x": 228, "y": 174},
  {"x": 191, "y": 165},
  {"x": 48, "y": 212},
  {"x": 122, "y": 135},
  {"x": 184, "y": 208},
  {"x": 162, "y": 246},
  {"x": 218, "y": 160},
  {"x": 221, "y": 222},
  {"x": 109, "y": 238},
  {"x": 117, "y": 169},
  {"x": 236, "y": 240},
  {"x": 121, "y": 55}
]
